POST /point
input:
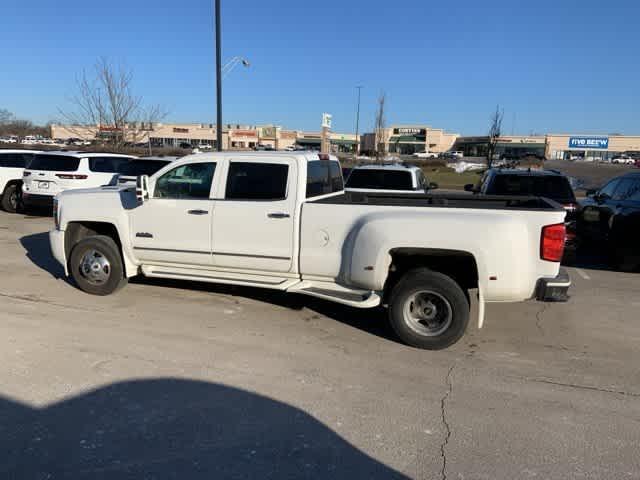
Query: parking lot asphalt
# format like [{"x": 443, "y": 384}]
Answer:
[{"x": 189, "y": 380}]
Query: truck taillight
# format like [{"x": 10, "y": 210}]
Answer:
[
  {"x": 552, "y": 242},
  {"x": 69, "y": 176}
]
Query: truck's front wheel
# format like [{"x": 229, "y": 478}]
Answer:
[
  {"x": 96, "y": 265},
  {"x": 428, "y": 310}
]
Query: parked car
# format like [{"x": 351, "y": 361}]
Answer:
[
  {"x": 52, "y": 172},
  {"x": 531, "y": 182},
  {"x": 283, "y": 221},
  {"x": 393, "y": 178},
  {"x": 12, "y": 163},
  {"x": 131, "y": 170},
  {"x": 425, "y": 155},
  {"x": 623, "y": 159},
  {"x": 264, "y": 148},
  {"x": 610, "y": 218}
]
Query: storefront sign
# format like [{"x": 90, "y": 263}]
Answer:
[
  {"x": 326, "y": 120},
  {"x": 601, "y": 143},
  {"x": 268, "y": 132},
  {"x": 180, "y": 130},
  {"x": 409, "y": 131},
  {"x": 244, "y": 133}
]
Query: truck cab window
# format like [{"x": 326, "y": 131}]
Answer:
[
  {"x": 257, "y": 181},
  {"x": 323, "y": 177},
  {"x": 191, "y": 181}
]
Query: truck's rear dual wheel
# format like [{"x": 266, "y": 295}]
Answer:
[
  {"x": 96, "y": 265},
  {"x": 428, "y": 310}
]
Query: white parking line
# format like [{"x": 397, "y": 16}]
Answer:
[{"x": 583, "y": 274}]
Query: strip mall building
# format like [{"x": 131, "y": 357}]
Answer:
[
  {"x": 397, "y": 139},
  {"x": 553, "y": 146},
  {"x": 234, "y": 137}
]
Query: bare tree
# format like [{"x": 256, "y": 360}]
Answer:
[
  {"x": 105, "y": 107},
  {"x": 380, "y": 127},
  {"x": 5, "y": 116},
  {"x": 495, "y": 129},
  {"x": 22, "y": 128}
]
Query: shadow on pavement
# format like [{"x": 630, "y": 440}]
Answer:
[
  {"x": 38, "y": 250},
  {"x": 372, "y": 321},
  {"x": 170, "y": 428},
  {"x": 592, "y": 258}
]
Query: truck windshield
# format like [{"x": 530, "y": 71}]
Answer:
[
  {"x": 380, "y": 179},
  {"x": 554, "y": 187},
  {"x": 54, "y": 163}
]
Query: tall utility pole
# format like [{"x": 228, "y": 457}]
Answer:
[
  {"x": 359, "y": 87},
  {"x": 218, "y": 79}
]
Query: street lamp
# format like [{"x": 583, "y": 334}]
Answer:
[
  {"x": 359, "y": 87},
  {"x": 233, "y": 63},
  {"x": 218, "y": 78}
]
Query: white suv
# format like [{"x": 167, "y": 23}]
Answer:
[
  {"x": 50, "y": 173},
  {"x": 12, "y": 163}
]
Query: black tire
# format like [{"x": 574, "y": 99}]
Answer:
[
  {"x": 446, "y": 312},
  {"x": 11, "y": 198},
  {"x": 96, "y": 265}
]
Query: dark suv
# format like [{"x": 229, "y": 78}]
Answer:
[
  {"x": 530, "y": 182},
  {"x": 610, "y": 216}
]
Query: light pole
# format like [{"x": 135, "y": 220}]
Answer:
[
  {"x": 218, "y": 78},
  {"x": 359, "y": 87}
]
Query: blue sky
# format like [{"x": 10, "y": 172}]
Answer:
[{"x": 556, "y": 66}]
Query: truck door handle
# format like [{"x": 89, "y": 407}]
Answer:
[
  {"x": 278, "y": 215},
  {"x": 198, "y": 212}
]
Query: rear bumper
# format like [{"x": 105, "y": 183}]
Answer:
[
  {"x": 554, "y": 289},
  {"x": 31, "y": 200}
]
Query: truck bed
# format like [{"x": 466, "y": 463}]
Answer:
[{"x": 494, "y": 202}]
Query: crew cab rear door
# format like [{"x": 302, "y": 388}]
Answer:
[{"x": 253, "y": 226}]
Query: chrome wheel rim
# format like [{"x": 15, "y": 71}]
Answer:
[
  {"x": 95, "y": 268},
  {"x": 13, "y": 199},
  {"x": 427, "y": 313}
]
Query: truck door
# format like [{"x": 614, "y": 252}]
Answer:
[
  {"x": 174, "y": 224},
  {"x": 253, "y": 228}
]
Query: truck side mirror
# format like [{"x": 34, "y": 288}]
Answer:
[
  {"x": 433, "y": 185},
  {"x": 468, "y": 187},
  {"x": 142, "y": 189}
]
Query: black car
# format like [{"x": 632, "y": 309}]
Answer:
[
  {"x": 531, "y": 182},
  {"x": 610, "y": 217}
]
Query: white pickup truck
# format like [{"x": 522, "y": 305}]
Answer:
[{"x": 283, "y": 221}]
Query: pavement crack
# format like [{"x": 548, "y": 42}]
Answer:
[
  {"x": 539, "y": 318},
  {"x": 584, "y": 387},
  {"x": 443, "y": 413},
  {"x": 37, "y": 299}
]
